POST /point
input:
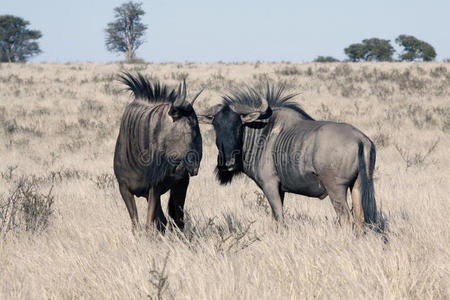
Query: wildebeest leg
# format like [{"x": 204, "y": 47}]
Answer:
[
  {"x": 176, "y": 202},
  {"x": 272, "y": 193},
  {"x": 130, "y": 202},
  {"x": 338, "y": 197},
  {"x": 357, "y": 209},
  {"x": 281, "y": 194},
  {"x": 154, "y": 210}
]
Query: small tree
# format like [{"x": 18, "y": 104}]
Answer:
[
  {"x": 414, "y": 49},
  {"x": 324, "y": 59},
  {"x": 428, "y": 52},
  {"x": 373, "y": 49},
  {"x": 356, "y": 52},
  {"x": 125, "y": 33},
  {"x": 17, "y": 42},
  {"x": 378, "y": 49}
]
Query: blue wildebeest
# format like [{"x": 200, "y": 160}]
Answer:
[
  {"x": 265, "y": 135},
  {"x": 159, "y": 146}
]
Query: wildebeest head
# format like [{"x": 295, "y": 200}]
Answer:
[
  {"x": 242, "y": 108},
  {"x": 178, "y": 137},
  {"x": 185, "y": 141}
]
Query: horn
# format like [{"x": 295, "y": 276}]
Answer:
[
  {"x": 241, "y": 108},
  {"x": 179, "y": 89},
  {"x": 264, "y": 105},
  {"x": 184, "y": 89},
  {"x": 181, "y": 94},
  {"x": 196, "y": 96}
]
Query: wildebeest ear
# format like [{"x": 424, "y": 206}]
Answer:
[
  {"x": 176, "y": 112},
  {"x": 251, "y": 117}
]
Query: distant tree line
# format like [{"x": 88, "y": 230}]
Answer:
[
  {"x": 125, "y": 34},
  {"x": 375, "y": 49}
]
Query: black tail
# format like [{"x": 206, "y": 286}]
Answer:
[{"x": 366, "y": 166}]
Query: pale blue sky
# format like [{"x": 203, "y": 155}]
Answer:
[{"x": 233, "y": 30}]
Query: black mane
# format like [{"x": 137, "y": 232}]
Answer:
[
  {"x": 275, "y": 94},
  {"x": 244, "y": 96},
  {"x": 143, "y": 89}
]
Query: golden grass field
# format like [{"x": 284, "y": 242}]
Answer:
[{"x": 58, "y": 127}]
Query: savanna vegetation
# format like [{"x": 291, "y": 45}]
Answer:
[
  {"x": 376, "y": 49},
  {"x": 126, "y": 33},
  {"x": 18, "y": 43},
  {"x": 65, "y": 231}
]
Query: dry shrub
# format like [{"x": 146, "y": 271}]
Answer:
[
  {"x": 416, "y": 159},
  {"x": 104, "y": 181},
  {"x": 159, "y": 279},
  {"x": 289, "y": 71},
  {"x": 26, "y": 208}
]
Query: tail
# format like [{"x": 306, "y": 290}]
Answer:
[{"x": 366, "y": 165}]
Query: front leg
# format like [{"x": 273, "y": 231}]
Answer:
[
  {"x": 176, "y": 201},
  {"x": 154, "y": 210},
  {"x": 130, "y": 203},
  {"x": 272, "y": 192}
]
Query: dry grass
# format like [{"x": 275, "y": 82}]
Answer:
[{"x": 58, "y": 125}]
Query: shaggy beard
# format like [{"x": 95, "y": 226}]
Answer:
[{"x": 225, "y": 177}]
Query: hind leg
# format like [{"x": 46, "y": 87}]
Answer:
[
  {"x": 357, "y": 209},
  {"x": 130, "y": 203},
  {"x": 338, "y": 197},
  {"x": 176, "y": 202},
  {"x": 154, "y": 210}
]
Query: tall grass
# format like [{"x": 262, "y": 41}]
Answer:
[{"x": 71, "y": 234}]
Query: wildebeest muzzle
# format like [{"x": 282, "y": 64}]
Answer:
[
  {"x": 191, "y": 163},
  {"x": 228, "y": 162}
]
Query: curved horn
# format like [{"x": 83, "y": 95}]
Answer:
[
  {"x": 264, "y": 104},
  {"x": 181, "y": 94},
  {"x": 184, "y": 89},
  {"x": 196, "y": 96}
]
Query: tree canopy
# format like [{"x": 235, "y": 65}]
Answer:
[
  {"x": 355, "y": 52},
  {"x": 414, "y": 49},
  {"x": 125, "y": 34},
  {"x": 373, "y": 49},
  {"x": 378, "y": 49},
  {"x": 17, "y": 42}
]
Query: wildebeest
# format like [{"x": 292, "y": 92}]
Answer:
[
  {"x": 264, "y": 134},
  {"x": 159, "y": 146}
]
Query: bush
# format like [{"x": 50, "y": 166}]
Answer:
[
  {"x": 325, "y": 59},
  {"x": 289, "y": 71},
  {"x": 26, "y": 208},
  {"x": 135, "y": 60}
]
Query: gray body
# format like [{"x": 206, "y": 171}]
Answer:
[
  {"x": 307, "y": 157},
  {"x": 287, "y": 151},
  {"x": 159, "y": 146}
]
